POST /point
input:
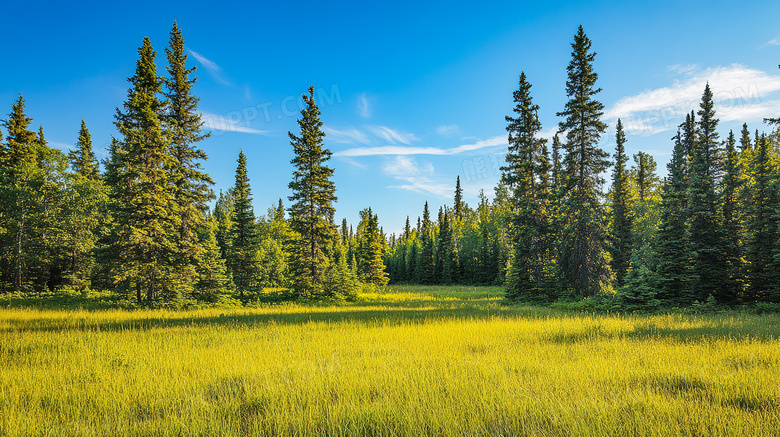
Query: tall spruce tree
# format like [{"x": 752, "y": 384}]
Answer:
[
  {"x": 427, "y": 260},
  {"x": 82, "y": 159},
  {"x": 762, "y": 227},
  {"x": 584, "y": 261},
  {"x": 622, "y": 219},
  {"x": 527, "y": 173},
  {"x": 706, "y": 233},
  {"x": 447, "y": 252},
  {"x": 183, "y": 126},
  {"x": 458, "y": 206},
  {"x": 674, "y": 266},
  {"x": 21, "y": 182},
  {"x": 313, "y": 195},
  {"x": 732, "y": 225},
  {"x": 145, "y": 212},
  {"x": 242, "y": 252}
]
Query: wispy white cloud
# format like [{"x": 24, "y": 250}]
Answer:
[
  {"x": 391, "y": 135},
  {"x": 740, "y": 93},
  {"x": 416, "y": 177},
  {"x": 404, "y": 150},
  {"x": 227, "y": 124},
  {"x": 771, "y": 42},
  {"x": 211, "y": 66},
  {"x": 448, "y": 130},
  {"x": 363, "y": 107},
  {"x": 346, "y": 136}
]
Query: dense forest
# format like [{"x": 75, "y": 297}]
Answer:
[{"x": 139, "y": 224}]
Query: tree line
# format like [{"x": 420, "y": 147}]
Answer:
[
  {"x": 707, "y": 232},
  {"x": 142, "y": 227},
  {"x": 140, "y": 224}
]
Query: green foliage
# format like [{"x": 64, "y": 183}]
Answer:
[
  {"x": 622, "y": 218},
  {"x": 144, "y": 237},
  {"x": 311, "y": 213},
  {"x": 674, "y": 266},
  {"x": 706, "y": 232},
  {"x": 584, "y": 260},
  {"x": 527, "y": 173},
  {"x": 183, "y": 129},
  {"x": 241, "y": 254}
]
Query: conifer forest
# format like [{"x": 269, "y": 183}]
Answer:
[
  {"x": 591, "y": 292},
  {"x": 568, "y": 220}
]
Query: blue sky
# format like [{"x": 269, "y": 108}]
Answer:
[{"x": 412, "y": 95}]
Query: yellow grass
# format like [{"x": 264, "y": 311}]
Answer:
[{"x": 409, "y": 361}]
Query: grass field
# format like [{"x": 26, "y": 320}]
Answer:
[{"x": 408, "y": 361}]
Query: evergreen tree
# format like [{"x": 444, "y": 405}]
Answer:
[
  {"x": 145, "y": 213},
  {"x": 527, "y": 173},
  {"x": 707, "y": 244},
  {"x": 732, "y": 226},
  {"x": 458, "y": 207},
  {"x": 448, "y": 254},
  {"x": 183, "y": 125},
  {"x": 427, "y": 261},
  {"x": 242, "y": 255},
  {"x": 584, "y": 261},
  {"x": 674, "y": 268},
  {"x": 311, "y": 214},
  {"x": 21, "y": 184},
  {"x": 762, "y": 227},
  {"x": 82, "y": 159},
  {"x": 370, "y": 250},
  {"x": 622, "y": 219}
]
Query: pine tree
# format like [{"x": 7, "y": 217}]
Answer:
[
  {"x": 311, "y": 214},
  {"x": 527, "y": 173},
  {"x": 83, "y": 160},
  {"x": 762, "y": 227},
  {"x": 706, "y": 235},
  {"x": 448, "y": 255},
  {"x": 674, "y": 267},
  {"x": 427, "y": 261},
  {"x": 21, "y": 182},
  {"x": 584, "y": 261},
  {"x": 732, "y": 226},
  {"x": 622, "y": 219},
  {"x": 145, "y": 212},
  {"x": 183, "y": 124},
  {"x": 458, "y": 207},
  {"x": 370, "y": 250},
  {"x": 242, "y": 255}
]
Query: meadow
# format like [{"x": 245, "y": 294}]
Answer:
[{"x": 409, "y": 360}]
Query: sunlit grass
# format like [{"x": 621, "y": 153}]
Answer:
[{"x": 405, "y": 361}]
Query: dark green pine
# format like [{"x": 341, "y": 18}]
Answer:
[
  {"x": 243, "y": 232},
  {"x": 622, "y": 220},
  {"x": 183, "y": 125},
  {"x": 146, "y": 219},
  {"x": 706, "y": 233},
  {"x": 427, "y": 261},
  {"x": 526, "y": 173},
  {"x": 762, "y": 228},
  {"x": 732, "y": 226},
  {"x": 674, "y": 264},
  {"x": 584, "y": 261},
  {"x": 312, "y": 210},
  {"x": 82, "y": 159}
]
